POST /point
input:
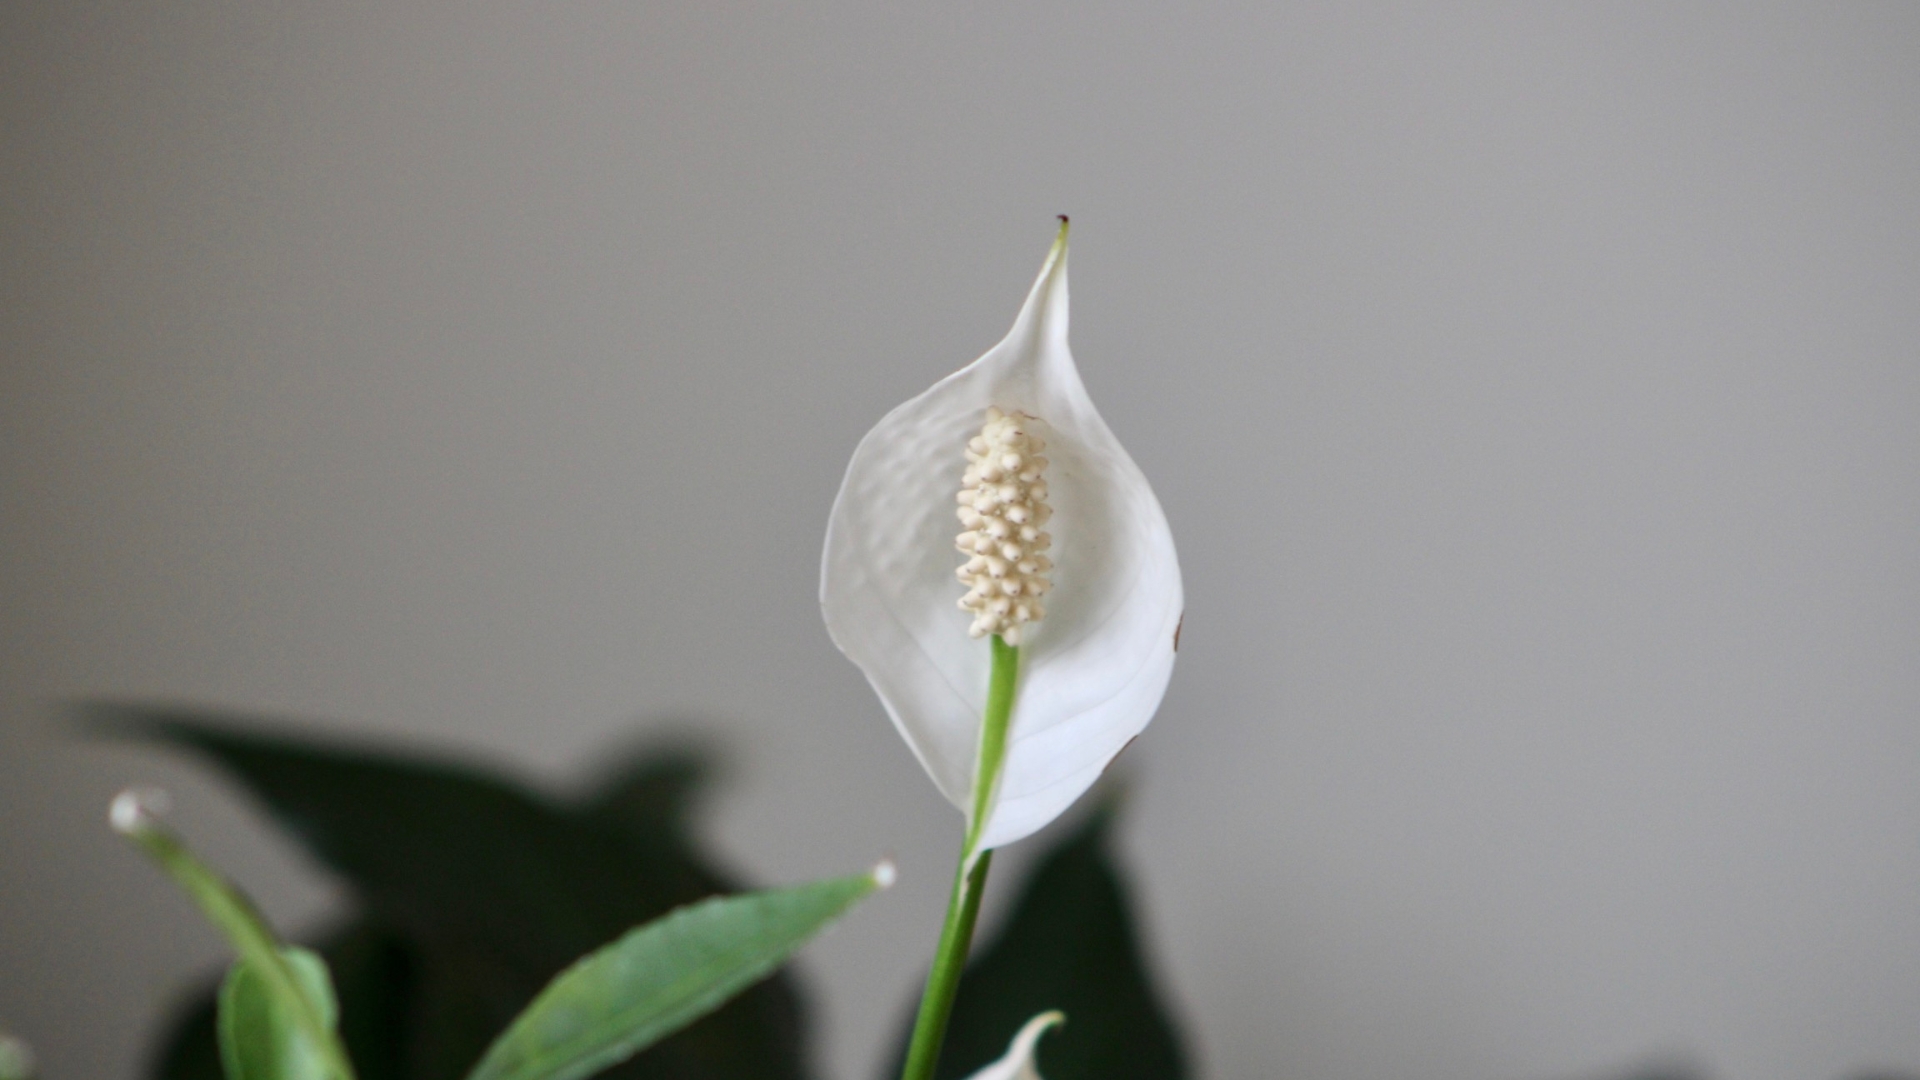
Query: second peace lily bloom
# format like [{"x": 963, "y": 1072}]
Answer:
[
  {"x": 1018, "y": 1064},
  {"x": 1068, "y": 558}
]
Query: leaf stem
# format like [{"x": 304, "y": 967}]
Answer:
[
  {"x": 970, "y": 878},
  {"x": 234, "y": 915}
]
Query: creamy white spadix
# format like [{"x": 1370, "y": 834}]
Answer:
[
  {"x": 1003, "y": 508},
  {"x": 1095, "y": 658}
]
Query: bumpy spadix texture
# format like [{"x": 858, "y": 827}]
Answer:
[
  {"x": 1093, "y": 671},
  {"x": 1003, "y": 504}
]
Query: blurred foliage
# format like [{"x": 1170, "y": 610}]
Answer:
[
  {"x": 473, "y": 892},
  {"x": 1068, "y": 944},
  {"x": 661, "y": 976},
  {"x": 16, "y": 1059},
  {"x": 260, "y": 1026}
]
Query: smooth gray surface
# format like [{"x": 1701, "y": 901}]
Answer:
[{"x": 1532, "y": 391}]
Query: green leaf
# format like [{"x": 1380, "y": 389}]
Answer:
[
  {"x": 473, "y": 892},
  {"x": 661, "y": 976},
  {"x": 1069, "y": 944},
  {"x": 374, "y": 976},
  {"x": 260, "y": 1039},
  {"x": 229, "y": 910},
  {"x": 16, "y": 1059}
]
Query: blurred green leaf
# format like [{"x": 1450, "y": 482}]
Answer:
[
  {"x": 657, "y": 978},
  {"x": 1068, "y": 944},
  {"x": 260, "y": 1038},
  {"x": 373, "y": 973},
  {"x": 274, "y": 978},
  {"x": 474, "y": 891},
  {"x": 16, "y": 1059}
]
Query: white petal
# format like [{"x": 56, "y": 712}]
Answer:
[
  {"x": 1018, "y": 1064},
  {"x": 1094, "y": 670}
]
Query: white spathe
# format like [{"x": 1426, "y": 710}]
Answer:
[
  {"x": 1094, "y": 670},
  {"x": 1019, "y": 1064}
]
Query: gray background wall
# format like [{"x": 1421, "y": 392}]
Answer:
[{"x": 1532, "y": 390}]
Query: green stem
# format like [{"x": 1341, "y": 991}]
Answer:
[
  {"x": 993, "y": 737},
  {"x": 247, "y": 930},
  {"x": 943, "y": 982},
  {"x": 970, "y": 879}
]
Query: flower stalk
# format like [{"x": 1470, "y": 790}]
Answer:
[{"x": 970, "y": 877}]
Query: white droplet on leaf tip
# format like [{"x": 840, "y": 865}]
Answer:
[
  {"x": 135, "y": 808},
  {"x": 884, "y": 873}
]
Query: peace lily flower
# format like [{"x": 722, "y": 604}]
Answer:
[
  {"x": 1065, "y": 557},
  {"x": 1066, "y": 568},
  {"x": 1019, "y": 1064}
]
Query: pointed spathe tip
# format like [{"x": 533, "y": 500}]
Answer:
[
  {"x": 1056, "y": 255},
  {"x": 1018, "y": 1064}
]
